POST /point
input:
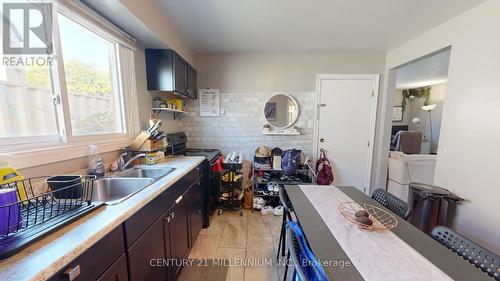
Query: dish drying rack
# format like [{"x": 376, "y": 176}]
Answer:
[{"x": 38, "y": 214}]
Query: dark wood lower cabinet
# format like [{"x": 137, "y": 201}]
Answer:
[
  {"x": 146, "y": 257},
  {"x": 177, "y": 227},
  {"x": 195, "y": 195},
  {"x": 151, "y": 245},
  {"x": 96, "y": 260},
  {"x": 117, "y": 272}
]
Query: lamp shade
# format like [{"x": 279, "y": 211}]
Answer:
[{"x": 429, "y": 107}]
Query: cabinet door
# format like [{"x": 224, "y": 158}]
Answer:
[
  {"x": 178, "y": 228},
  {"x": 180, "y": 74},
  {"x": 146, "y": 256},
  {"x": 117, "y": 272},
  {"x": 159, "y": 69},
  {"x": 191, "y": 82},
  {"x": 195, "y": 210}
]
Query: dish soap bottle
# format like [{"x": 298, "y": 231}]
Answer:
[
  {"x": 96, "y": 165},
  {"x": 8, "y": 176}
]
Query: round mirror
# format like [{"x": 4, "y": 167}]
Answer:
[{"x": 281, "y": 111}]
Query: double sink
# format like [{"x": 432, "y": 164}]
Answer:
[{"x": 121, "y": 186}]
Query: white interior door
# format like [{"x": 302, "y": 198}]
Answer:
[{"x": 346, "y": 126}]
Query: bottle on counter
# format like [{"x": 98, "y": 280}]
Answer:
[{"x": 96, "y": 164}]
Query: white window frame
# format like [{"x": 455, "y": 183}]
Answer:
[{"x": 48, "y": 149}]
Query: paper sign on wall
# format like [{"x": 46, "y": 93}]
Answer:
[{"x": 209, "y": 102}]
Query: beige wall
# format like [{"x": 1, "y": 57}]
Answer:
[
  {"x": 468, "y": 156},
  {"x": 77, "y": 166},
  {"x": 279, "y": 72}
]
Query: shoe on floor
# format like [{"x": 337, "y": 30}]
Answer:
[
  {"x": 259, "y": 200},
  {"x": 257, "y": 206},
  {"x": 278, "y": 211},
  {"x": 266, "y": 210}
]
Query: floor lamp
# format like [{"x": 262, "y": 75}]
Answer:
[{"x": 429, "y": 108}]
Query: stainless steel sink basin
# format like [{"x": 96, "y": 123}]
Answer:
[
  {"x": 145, "y": 172},
  {"x": 115, "y": 190}
]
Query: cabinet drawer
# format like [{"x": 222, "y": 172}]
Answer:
[
  {"x": 138, "y": 223},
  {"x": 96, "y": 260}
]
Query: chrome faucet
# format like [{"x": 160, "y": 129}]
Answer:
[{"x": 122, "y": 164}]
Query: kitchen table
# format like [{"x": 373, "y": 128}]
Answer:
[{"x": 348, "y": 252}]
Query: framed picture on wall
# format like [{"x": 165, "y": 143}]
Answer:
[{"x": 397, "y": 114}]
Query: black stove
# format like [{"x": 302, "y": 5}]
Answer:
[
  {"x": 212, "y": 155},
  {"x": 177, "y": 145}
]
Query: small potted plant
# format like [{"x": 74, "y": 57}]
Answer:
[{"x": 266, "y": 128}]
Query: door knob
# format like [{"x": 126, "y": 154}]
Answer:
[{"x": 321, "y": 140}]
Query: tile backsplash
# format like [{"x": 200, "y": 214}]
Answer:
[{"x": 239, "y": 128}]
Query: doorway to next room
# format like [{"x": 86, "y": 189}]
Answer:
[{"x": 419, "y": 96}]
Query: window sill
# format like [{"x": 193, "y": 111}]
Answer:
[{"x": 62, "y": 152}]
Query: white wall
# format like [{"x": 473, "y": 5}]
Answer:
[
  {"x": 240, "y": 128},
  {"x": 468, "y": 157}
]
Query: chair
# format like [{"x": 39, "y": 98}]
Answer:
[
  {"x": 391, "y": 202},
  {"x": 287, "y": 216},
  {"x": 481, "y": 258},
  {"x": 409, "y": 142},
  {"x": 306, "y": 265}
]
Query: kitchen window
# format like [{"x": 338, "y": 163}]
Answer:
[{"x": 85, "y": 95}]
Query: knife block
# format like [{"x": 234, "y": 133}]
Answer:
[{"x": 150, "y": 145}]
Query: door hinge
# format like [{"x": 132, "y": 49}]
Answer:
[{"x": 373, "y": 93}]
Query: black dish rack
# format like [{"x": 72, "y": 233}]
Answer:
[{"x": 40, "y": 210}]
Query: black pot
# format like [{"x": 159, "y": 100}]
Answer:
[{"x": 66, "y": 187}]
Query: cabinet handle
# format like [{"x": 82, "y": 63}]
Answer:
[
  {"x": 178, "y": 200},
  {"x": 73, "y": 273}
]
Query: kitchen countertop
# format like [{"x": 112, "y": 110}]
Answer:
[{"x": 42, "y": 259}]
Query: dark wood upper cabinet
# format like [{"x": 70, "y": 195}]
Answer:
[
  {"x": 180, "y": 74},
  {"x": 192, "y": 82},
  {"x": 167, "y": 71}
]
